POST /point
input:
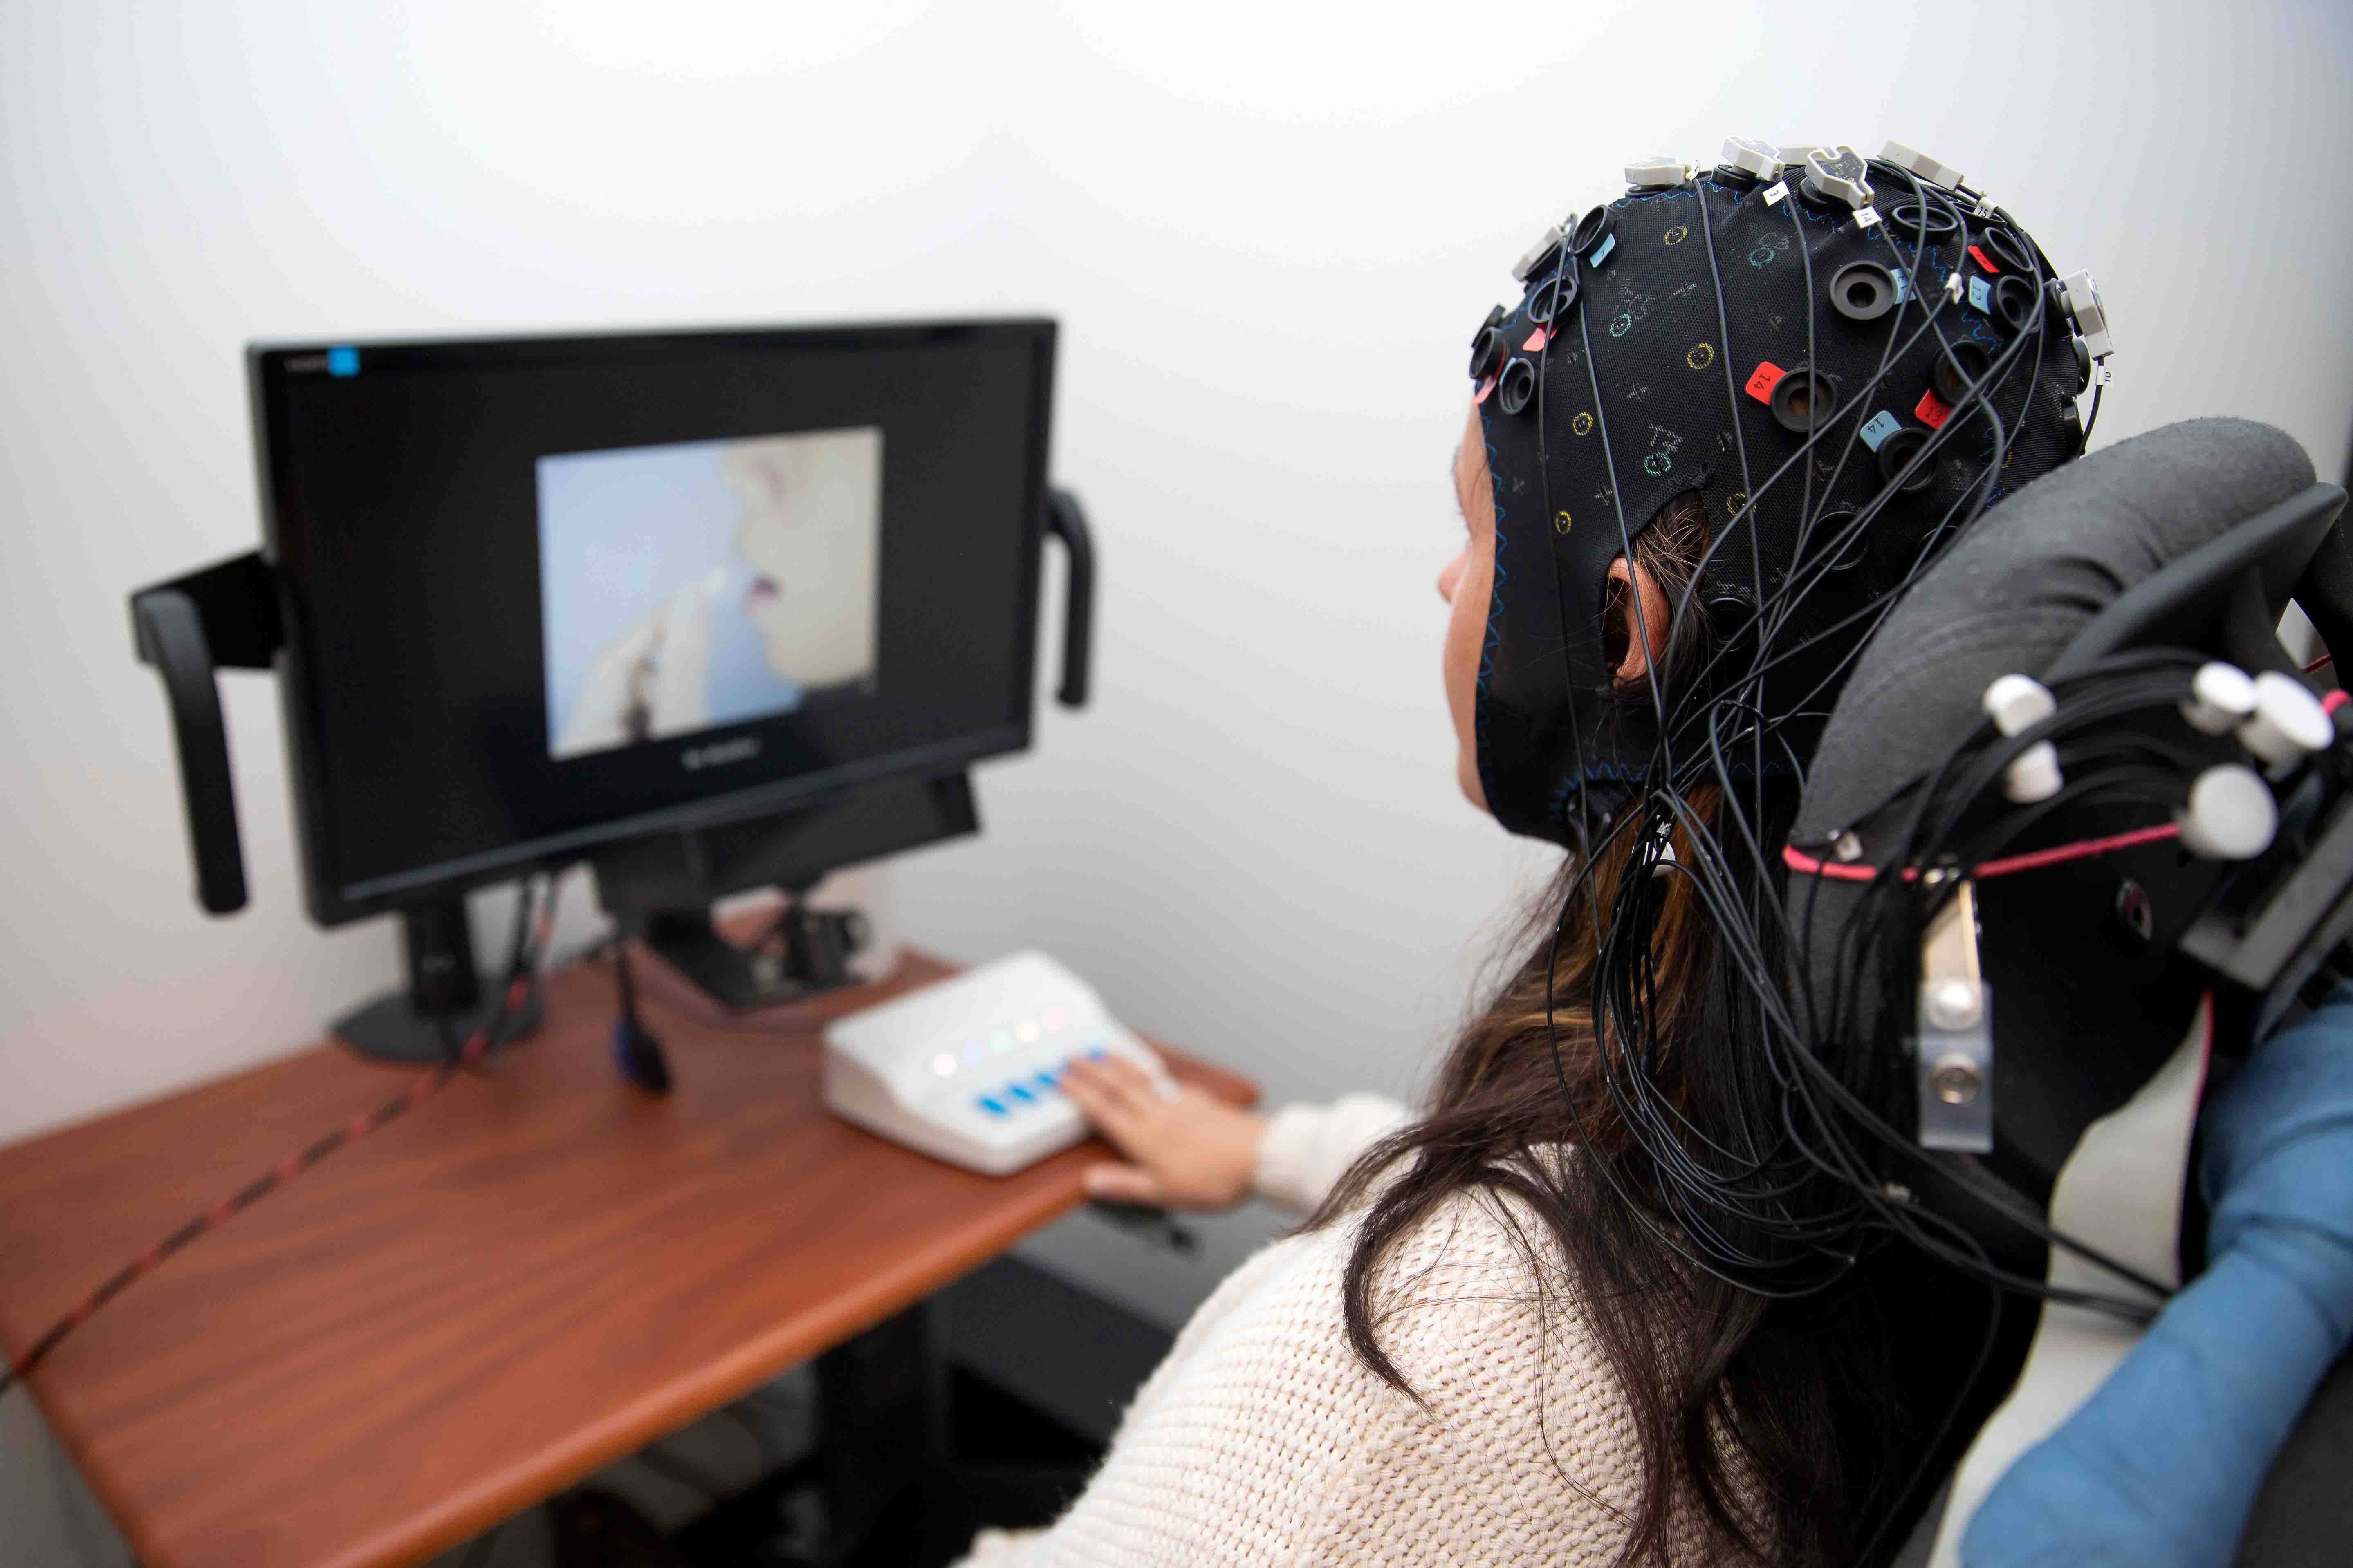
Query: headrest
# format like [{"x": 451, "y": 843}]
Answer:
[{"x": 2016, "y": 589}]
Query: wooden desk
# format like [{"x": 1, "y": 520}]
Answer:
[{"x": 530, "y": 1276}]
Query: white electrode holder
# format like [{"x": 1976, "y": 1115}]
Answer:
[
  {"x": 2221, "y": 697},
  {"x": 2016, "y": 703},
  {"x": 1533, "y": 258},
  {"x": 2079, "y": 295},
  {"x": 1658, "y": 172},
  {"x": 1921, "y": 164},
  {"x": 1760, "y": 160},
  {"x": 1838, "y": 173},
  {"x": 2230, "y": 815},
  {"x": 2288, "y": 722}
]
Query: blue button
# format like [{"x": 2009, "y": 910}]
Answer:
[
  {"x": 989, "y": 1103},
  {"x": 1045, "y": 1081},
  {"x": 1021, "y": 1093},
  {"x": 342, "y": 362}
]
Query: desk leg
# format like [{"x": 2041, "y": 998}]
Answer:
[{"x": 882, "y": 1424}]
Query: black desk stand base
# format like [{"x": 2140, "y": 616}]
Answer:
[
  {"x": 391, "y": 1029},
  {"x": 445, "y": 1000}
]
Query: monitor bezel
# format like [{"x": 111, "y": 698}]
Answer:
[{"x": 333, "y": 902}]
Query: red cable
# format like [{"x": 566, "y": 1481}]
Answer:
[
  {"x": 2033, "y": 860},
  {"x": 426, "y": 1086}
]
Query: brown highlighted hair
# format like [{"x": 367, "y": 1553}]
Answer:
[{"x": 1769, "y": 1417}]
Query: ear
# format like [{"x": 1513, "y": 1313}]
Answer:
[{"x": 1642, "y": 618}]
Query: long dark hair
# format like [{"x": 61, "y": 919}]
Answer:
[{"x": 1775, "y": 1418}]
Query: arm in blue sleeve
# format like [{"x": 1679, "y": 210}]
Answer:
[{"x": 2160, "y": 1466}]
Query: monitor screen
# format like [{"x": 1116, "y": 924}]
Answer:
[{"x": 546, "y": 592}]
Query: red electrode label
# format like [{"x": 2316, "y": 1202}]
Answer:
[
  {"x": 1981, "y": 260},
  {"x": 1767, "y": 376},
  {"x": 1930, "y": 411}
]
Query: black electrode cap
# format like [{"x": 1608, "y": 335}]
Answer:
[
  {"x": 1931, "y": 221},
  {"x": 1556, "y": 295},
  {"x": 2014, "y": 301},
  {"x": 1957, "y": 367},
  {"x": 1517, "y": 387},
  {"x": 1739, "y": 179},
  {"x": 2082, "y": 366},
  {"x": 1896, "y": 451},
  {"x": 2005, "y": 249},
  {"x": 1862, "y": 290},
  {"x": 1486, "y": 352},
  {"x": 1494, "y": 318},
  {"x": 1591, "y": 229},
  {"x": 1803, "y": 400},
  {"x": 1830, "y": 532}
]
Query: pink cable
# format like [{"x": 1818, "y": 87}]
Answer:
[{"x": 2033, "y": 860}]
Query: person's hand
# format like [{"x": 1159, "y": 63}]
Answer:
[
  {"x": 648, "y": 680},
  {"x": 1189, "y": 1151}
]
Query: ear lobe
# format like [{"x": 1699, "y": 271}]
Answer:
[{"x": 1638, "y": 620}]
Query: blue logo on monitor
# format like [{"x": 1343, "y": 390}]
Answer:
[{"x": 342, "y": 362}]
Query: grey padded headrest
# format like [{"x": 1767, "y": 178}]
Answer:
[{"x": 2016, "y": 589}]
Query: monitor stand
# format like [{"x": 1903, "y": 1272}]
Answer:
[
  {"x": 445, "y": 999},
  {"x": 804, "y": 950},
  {"x": 660, "y": 888}
]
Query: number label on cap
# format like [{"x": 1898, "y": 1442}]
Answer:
[
  {"x": 1878, "y": 428},
  {"x": 1774, "y": 192},
  {"x": 1763, "y": 379}
]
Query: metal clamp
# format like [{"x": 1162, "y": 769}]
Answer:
[{"x": 1954, "y": 1044}]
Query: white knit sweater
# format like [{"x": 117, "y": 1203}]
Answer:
[{"x": 1263, "y": 1440}]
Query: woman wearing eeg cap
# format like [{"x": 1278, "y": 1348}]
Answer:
[{"x": 1591, "y": 1305}]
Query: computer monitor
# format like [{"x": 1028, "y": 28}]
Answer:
[{"x": 542, "y": 596}]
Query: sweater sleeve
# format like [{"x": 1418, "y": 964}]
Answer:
[{"x": 1305, "y": 1147}]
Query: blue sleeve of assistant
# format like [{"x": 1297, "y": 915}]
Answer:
[{"x": 2159, "y": 1468}]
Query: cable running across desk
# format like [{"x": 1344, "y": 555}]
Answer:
[{"x": 523, "y": 963}]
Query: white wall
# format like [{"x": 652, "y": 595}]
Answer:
[{"x": 1268, "y": 232}]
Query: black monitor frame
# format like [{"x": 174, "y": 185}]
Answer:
[{"x": 286, "y": 528}]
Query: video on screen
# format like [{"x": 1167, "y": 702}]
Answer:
[{"x": 708, "y": 583}]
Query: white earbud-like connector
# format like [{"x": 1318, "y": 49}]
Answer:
[
  {"x": 2017, "y": 703},
  {"x": 2288, "y": 721},
  {"x": 2231, "y": 814},
  {"x": 2220, "y": 697}
]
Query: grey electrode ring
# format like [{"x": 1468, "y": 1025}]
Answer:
[
  {"x": 1962, "y": 362},
  {"x": 2014, "y": 301},
  {"x": 1896, "y": 451},
  {"x": 1804, "y": 399},
  {"x": 1487, "y": 346},
  {"x": 1830, "y": 525},
  {"x": 1555, "y": 297},
  {"x": 1592, "y": 231},
  {"x": 2000, "y": 243},
  {"x": 1864, "y": 291},
  {"x": 1929, "y": 221},
  {"x": 1516, "y": 387}
]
